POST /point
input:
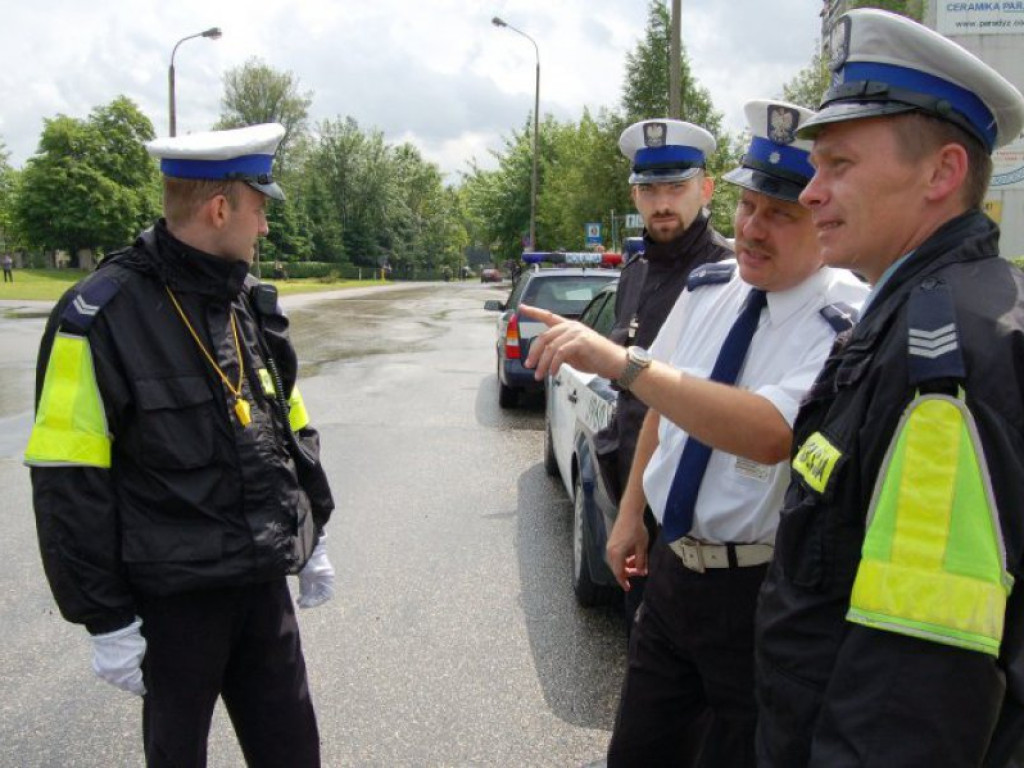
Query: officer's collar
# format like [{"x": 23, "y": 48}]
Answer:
[
  {"x": 970, "y": 236},
  {"x": 189, "y": 269},
  {"x": 678, "y": 247}
]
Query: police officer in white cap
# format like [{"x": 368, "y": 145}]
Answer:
[
  {"x": 891, "y": 623},
  {"x": 670, "y": 188},
  {"x": 175, "y": 474},
  {"x": 724, "y": 379}
]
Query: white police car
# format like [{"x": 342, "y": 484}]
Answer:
[
  {"x": 578, "y": 406},
  {"x": 565, "y": 290}
]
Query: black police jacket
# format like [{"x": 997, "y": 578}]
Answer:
[
  {"x": 834, "y": 693},
  {"x": 192, "y": 499},
  {"x": 648, "y": 288}
]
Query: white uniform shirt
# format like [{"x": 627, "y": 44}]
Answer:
[{"x": 739, "y": 499}]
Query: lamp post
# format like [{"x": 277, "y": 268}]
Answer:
[
  {"x": 536, "y": 118},
  {"x": 214, "y": 34}
]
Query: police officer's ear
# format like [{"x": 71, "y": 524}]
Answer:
[
  {"x": 707, "y": 188},
  {"x": 215, "y": 211},
  {"x": 947, "y": 172}
]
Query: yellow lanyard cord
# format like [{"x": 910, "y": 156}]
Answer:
[{"x": 242, "y": 409}]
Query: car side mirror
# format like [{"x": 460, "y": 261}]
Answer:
[{"x": 493, "y": 305}]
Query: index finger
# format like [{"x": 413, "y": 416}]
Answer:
[{"x": 550, "y": 319}]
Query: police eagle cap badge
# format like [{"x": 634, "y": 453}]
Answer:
[
  {"x": 782, "y": 122},
  {"x": 654, "y": 134}
]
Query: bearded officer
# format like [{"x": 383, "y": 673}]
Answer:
[
  {"x": 671, "y": 190},
  {"x": 175, "y": 474}
]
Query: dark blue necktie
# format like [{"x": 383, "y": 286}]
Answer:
[{"x": 682, "y": 496}]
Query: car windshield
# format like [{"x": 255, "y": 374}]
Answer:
[{"x": 565, "y": 295}]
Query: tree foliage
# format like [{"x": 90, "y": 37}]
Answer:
[
  {"x": 91, "y": 184},
  {"x": 256, "y": 93},
  {"x": 808, "y": 86},
  {"x": 9, "y": 239},
  {"x": 583, "y": 177}
]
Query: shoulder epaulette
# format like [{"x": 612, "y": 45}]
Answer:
[
  {"x": 841, "y": 316},
  {"x": 933, "y": 342},
  {"x": 93, "y": 295},
  {"x": 710, "y": 274}
]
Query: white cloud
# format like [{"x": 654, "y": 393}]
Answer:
[{"x": 435, "y": 73}]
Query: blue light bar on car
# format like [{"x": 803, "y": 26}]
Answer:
[{"x": 576, "y": 258}]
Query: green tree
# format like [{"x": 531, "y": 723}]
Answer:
[
  {"x": 808, "y": 86},
  {"x": 255, "y": 93},
  {"x": 497, "y": 202},
  {"x": 645, "y": 91},
  {"x": 586, "y": 179},
  {"x": 9, "y": 239},
  {"x": 91, "y": 184}
]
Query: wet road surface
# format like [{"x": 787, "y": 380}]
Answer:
[{"x": 454, "y": 639}]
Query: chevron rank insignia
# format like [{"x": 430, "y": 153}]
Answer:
[
  {"x": 933, "y": 343},
  {"x": 92, "y": 295}
]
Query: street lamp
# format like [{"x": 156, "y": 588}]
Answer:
[
  {"x": 214, "y": 34},
  {"x": 536, "y": 118}
]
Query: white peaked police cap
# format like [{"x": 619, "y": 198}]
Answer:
[
  {"x": 240, "y": 154},
  {"x": 776, "y": 162},
  {"x": 884, "y": 64},
  {"x": 665, "y": 150}
]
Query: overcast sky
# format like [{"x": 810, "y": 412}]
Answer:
[{"x": 432, "y": 72}]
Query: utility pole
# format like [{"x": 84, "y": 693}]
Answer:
[{"x": 674, "y": 107}]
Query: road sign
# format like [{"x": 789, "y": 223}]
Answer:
[
  {"x": 593, "y": 231},
  {"x": 634, "y": 221}
]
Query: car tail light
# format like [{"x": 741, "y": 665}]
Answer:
[{"x": 512, "y": 338}]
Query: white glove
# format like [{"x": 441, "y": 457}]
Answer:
[
  {"x": 316, "y": 579},
  {"x": 117, "y": 657}
]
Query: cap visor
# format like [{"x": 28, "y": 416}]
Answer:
[
  {"x": 270, "y": 190},
  {"x": 664, "y": 175},
  {"x": 765, "y": 184},
  {"x": 840, "y": 112}
]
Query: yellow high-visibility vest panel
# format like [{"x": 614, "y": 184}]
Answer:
[{"x": 71, "y": 425}]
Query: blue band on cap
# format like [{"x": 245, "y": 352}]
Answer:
[
  {"x": 246, "y": 165},
  {"x": 963, "y": 101},
  {"x": 789, "y": 158},
  {"x": 664, "y": 157}
]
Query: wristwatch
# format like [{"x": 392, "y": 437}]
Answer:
[{"x": 637, "y": 359}]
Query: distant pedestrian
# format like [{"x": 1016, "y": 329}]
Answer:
[{"x": 8, "y": 265}]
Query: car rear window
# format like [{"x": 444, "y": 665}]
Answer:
[{"x": 567, "y": 295}]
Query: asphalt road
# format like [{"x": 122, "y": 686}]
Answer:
[{"x": 454, "y": 639}]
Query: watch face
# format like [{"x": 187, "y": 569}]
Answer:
[{"x": 640, "y": 355}]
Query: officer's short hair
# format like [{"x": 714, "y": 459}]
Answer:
[
  {"x": 184, "y": 197},
  {"x": 919, "y": 134}
]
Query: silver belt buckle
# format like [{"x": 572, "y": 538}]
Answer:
[{"x": 695, "y": 561}]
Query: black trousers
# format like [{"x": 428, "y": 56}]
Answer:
[
  {"x": 691, "y": 652},
  {"x": 241, "y": 644}
]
